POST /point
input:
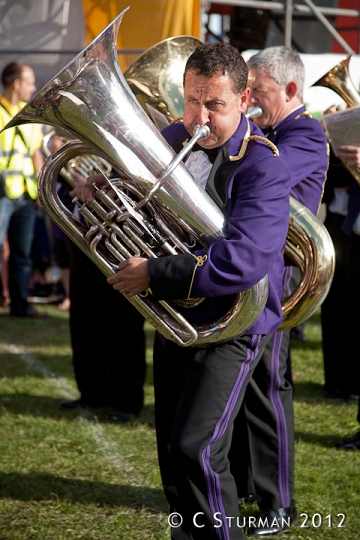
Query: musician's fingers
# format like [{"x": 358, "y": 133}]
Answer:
[
  {"x": 351, "y": 153},
  {"x": 88, "y": 190},
  {"x": 131, "y": 278},
  {"x": 349, "y": 149}
]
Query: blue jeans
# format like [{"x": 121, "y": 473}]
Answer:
[{"x": 17, "y": 217}]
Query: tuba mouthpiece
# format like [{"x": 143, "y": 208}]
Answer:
[{"x": 201, "y": 132}]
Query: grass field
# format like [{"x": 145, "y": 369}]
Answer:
[{"x": 68, "y": 475}]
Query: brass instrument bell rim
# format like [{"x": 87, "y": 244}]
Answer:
[
  {"x": 343, "y": 64},
  {"x": 162, "y": 44}
]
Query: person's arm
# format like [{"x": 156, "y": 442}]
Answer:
[
  {"x": 88, "y": 190},
  {"x": 303, "y": 145},
  {"x": 38, "y": 159},
  {"x": 257, "y": 229}
]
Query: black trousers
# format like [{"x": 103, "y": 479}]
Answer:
[
  {"x": 198, "y": 393},
  {"x": 335, "y": 306},
  {"x": 349, "y": 363},
  {"x": 107, "y": 338},
  {"x": 262, "y": 452}
]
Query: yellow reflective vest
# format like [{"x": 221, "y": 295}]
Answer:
[{"x": 17, "y": 146}]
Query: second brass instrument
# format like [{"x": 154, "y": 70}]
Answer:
[
  {"x": 338, "y": 79},
  {"x": 85, "y": 165}
]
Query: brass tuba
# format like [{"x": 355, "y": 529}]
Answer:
[
  {"x": 338, "y": 79},
  {"x": 91, "y": 100}
]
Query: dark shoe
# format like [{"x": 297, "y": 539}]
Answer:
[
  {"x": 352, "y": 443},
  {"x": 73, "y": 404},
  {"x": 118, "y": 416},
  {"x": 273, "y": 522},
  {"x": 248, "y": 499}
]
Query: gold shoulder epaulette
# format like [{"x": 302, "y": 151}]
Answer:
[
  {"x": 304, "y": 114},
  {"x": 249, "y": 138},
  {"x": 177, "y": 119},
  {"x": 273, "y": 147}
]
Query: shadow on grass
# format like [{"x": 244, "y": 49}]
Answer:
[
  {"x": 312, "y": 392},
  {"x": 44, "y": 487},
  {"x": 324, "y": 440},
  {"x": 305, "y": 345},
  {"x": 47, "y": 407},
  {"x": 309, "y": 391}
]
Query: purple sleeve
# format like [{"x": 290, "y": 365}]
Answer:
[{"x": 303, "y": 145}]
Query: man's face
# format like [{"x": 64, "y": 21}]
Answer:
[
  {"x": 267, "y": 94},
  {"x": 211, "y": 101},
  {"x": 25, "y": 86}
]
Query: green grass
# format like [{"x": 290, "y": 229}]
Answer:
[{"x": 68, "y": 475}]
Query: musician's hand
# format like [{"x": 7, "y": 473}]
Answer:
[
  {"x": 131, "y": 278},
  {"x": 88, "y": 190},
  {"x": 78, "y": 189},
  {"x": 352, "y": 153}
]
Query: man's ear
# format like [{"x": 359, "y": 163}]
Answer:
[
  {"x": 291, "y": 90},
  {"x": 244, "y": 99},
  {"x": 16, "y": 84}
]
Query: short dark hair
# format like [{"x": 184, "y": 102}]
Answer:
[
  {"x": 11, "y": 72},
  {"x": 211, "y": 59}
]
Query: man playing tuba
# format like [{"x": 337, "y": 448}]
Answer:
[{"x": 198, "y": 391}]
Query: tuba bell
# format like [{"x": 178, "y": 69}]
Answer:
[
  {"x": 338, "y": 79},
  {"x": 91, "y": 100}
]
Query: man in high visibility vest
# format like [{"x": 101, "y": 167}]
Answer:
[{"x": 20, "y": 161}]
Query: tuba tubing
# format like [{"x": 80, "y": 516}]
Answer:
[
  {"x": 91, "y": 100},
  {"x": 86, "y": 165}
]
